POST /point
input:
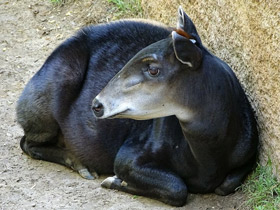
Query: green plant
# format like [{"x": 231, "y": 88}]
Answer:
[
  {"x": 263, "y": 189},
  {"x": 128, "y": 6}
]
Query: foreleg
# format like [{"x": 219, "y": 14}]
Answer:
[{"x": 146, "y": 179}]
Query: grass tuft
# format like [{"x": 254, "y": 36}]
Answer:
[
  {"x": 131, "y": 7},
  {"x": 263, "y": 189}
]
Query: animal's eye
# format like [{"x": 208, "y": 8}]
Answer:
[{"x": 153, "y": 71}]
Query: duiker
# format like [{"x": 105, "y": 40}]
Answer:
[{"x": 204, "y": 138}]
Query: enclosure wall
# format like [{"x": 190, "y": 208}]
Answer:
[{"x": 246, "y": 34}]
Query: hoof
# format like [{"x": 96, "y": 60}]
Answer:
[
  {"x": 223, "y": 192},
  {"x": 111, "y": 182},
  {"x": 87, "y": 175}
]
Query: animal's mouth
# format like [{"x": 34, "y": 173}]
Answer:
[
  {"x": 122, "y": 114},
  {"x": 130, "y": 114}
]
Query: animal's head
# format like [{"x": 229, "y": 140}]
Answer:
[{"x": 148, "y": 86}]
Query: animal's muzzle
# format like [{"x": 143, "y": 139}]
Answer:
[{"x": 98, "y": 108}]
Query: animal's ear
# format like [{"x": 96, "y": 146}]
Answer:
[
  {"x": 186, "y": 51},
  {"x": 185, "y": 23}
]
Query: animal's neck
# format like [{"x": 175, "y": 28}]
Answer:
[{"x": 205, "y": 133}]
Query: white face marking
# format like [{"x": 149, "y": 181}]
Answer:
[
  {"x": 183, "y": 113},
  {"x": 140, "y": 103},
  {"x": 141, "y": 109}
]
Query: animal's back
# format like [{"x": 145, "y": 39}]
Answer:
[{"x": 57, "y": 100}]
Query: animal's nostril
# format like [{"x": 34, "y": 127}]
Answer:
[{"x": 97, "y": 108}]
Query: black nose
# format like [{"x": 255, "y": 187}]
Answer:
[{"x": 97, "y": 108}]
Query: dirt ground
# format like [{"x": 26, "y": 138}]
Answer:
[{"x": 28, "y": 34}]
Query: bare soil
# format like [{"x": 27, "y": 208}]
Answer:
[{"x": 28, "y": 33}]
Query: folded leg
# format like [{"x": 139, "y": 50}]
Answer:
[
  {"x": 53, "y": 153},
  {"x": 146, "y": 179},
  {"x": 234, "y": 179}
]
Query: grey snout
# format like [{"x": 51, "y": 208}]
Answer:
[{"x": 97, "y": 108}]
